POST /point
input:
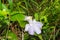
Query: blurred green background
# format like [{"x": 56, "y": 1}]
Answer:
[{"x": 13, "y": 12}]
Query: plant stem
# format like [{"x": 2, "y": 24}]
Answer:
[{"x": 22, "y": 34}]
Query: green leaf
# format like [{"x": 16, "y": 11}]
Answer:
[
  {"x": 36, "y": 16},
  {"x": 17, "y": 17},
  {"x": 4, "y": 7},
  {"x": 3, "y": 13},
  {"x": 11, "y": 36},
  {"x": 20, "y": 18},
  {"x": 43, "y": 18},
  {"x": 22, "y": 24},
  {"x": 40, "y": 36},
  {"x": 11, "y": 3}
]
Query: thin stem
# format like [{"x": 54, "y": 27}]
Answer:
[
  {"x": 22, "y": 34},
  {"x": 0, "y": 4},
  {"x": 8, "y": 26},
  {"x": 54, "y": 34},
  {"x": 26, "y": 6}
]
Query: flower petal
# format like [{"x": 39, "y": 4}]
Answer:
[
  {"x": 27, "y": 27},
  {"x": 39, "y": 24},
  {"x": 37, "y": 30},
  {"x": 31, "y": 31}
]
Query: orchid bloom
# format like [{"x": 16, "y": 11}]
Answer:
[{"x": 33, "y": 26}]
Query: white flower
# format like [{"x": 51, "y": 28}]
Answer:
[{"x": 33, "y": 26}]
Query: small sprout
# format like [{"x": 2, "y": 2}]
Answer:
[{"x": 28, "y": 18}]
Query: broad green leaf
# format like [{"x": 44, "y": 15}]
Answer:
[
  {"x": 11, "y": 36},
  {"x": 22, "y": 23},
  {"x": 13, "y": 18},
  {"x": 20, "y": 18},
  {"x": 17, "y": 17}
]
